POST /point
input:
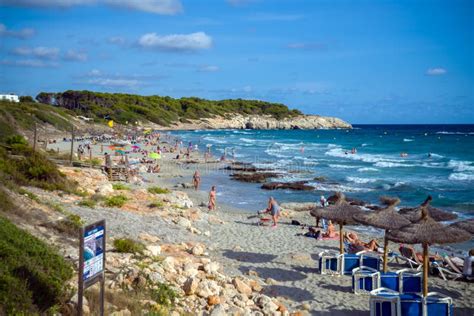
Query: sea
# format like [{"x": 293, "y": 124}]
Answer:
[{"x": 366, "y": 162}]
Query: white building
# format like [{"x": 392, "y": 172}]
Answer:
[{"x": 9, "y": 97}]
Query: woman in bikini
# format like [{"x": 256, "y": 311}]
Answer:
[
  {"x": 196, "y": 180},
  {"x": 212, "y": 199}
]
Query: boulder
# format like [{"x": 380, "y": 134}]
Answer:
[
  {"x": 207, "y": 288},
  {"x": 255, "y": 177},
  {"x": 190, "y": 286},
  {"x": 184, "y": 222},
  {"x": 198, "y": 250},
  {"x": 297, "y": 186},
  {"x": 213, "y": 300},
  {"x": 154, "y": 250},
  {"x": 218, "y": 310},
  {"x": 211, "y": 267},
  {"x": 105, "y": 189},
  {"x": 241, "y": 286}
]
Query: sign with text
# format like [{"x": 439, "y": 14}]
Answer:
[{"x": 93, "y": 252}]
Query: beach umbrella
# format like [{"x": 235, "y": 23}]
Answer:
[
  {"x": 120, "y": 151},
  {"x": 135, "y": 147},
  {"x": 414, "y": 213},
  {"x": 341, "y": 213},
  {"x": 387, "y": 219},
  {"x": 154, "y": 156},
  {"x": 426, "y": 232},
  {"x": 467, "y": 225}
]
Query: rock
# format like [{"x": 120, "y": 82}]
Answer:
[
  {"x": 139, "y": 282},
  {"x": 218, "y": 310},
  {"x": 184, "y": 222},
  {"x": 211, "y": 267},
  {"x": 241, "y": 286},
  {"x": 207, "y": 288},
  {"x": 306, "y": 306},
  {"x": 297, "y": 186},
  {"x": 252, "y": 273},
  {"x": 266, "y": 304},
  {"x": 105, "y": 189},
  {"x": 156, "y": 277},
  {"x": 194, "y": 230},
  {"x": 198, "y": 250},
  {"x": 149, "y": 238},
  {"x": 123, "y": 312},
  {"x": 190, "y": 269},
  {"x": 254, "y": 177},
  {"x": 271, "y": 281},
  {"x": 191, "y": 285},
  {"x": 75, "y": 298},
  {"x": 255, "y": 285},
  {"x": 213, "y": 300},
  {"x": 207, "y": 233},
  {"x": 155, "y": 250},
  {"x": 298, "y": 207},
  {"x": 281, "y": 308},
  {"x": 168, "y": 264}
]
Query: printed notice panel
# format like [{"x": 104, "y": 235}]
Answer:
[{"x": 94, "y": 243}]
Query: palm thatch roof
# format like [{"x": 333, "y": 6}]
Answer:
[
  {"x": 467, "y": 225},
  {"x": 387, "y": 218},
  {"x": 341, "y": 212},
  {"x": 414, "y": 213}
]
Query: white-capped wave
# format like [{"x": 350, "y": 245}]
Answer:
[
  {"x": 460, "y": 166},
  {"x": 337, "y": 166},
  {"x": 459, "y": 176},
  {"x": 433, "y": 155},
  {"x": 360, "y": 180},
  {"x": 388, "y": 164},
  {"x": 408, "y": 139},
  {"x": 248, "y": 140},
  {"x": 388, "y": 186},
  {"x": 455, "y": 133},
  {"x": 337, "y": 187},
  {"x": 215, "y": 140},
  {"x": 367, "y": 169},
  {"x": 341, "y": 153}
]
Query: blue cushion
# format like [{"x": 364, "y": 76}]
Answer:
[
  {"x": 383, "y": 309},
  {"x": 438, "y": 308},
  {"x": 389, "y": 280},
  {"x": 411, "y": 284},
  {"x": 371, "y": 262},
  {"x": 411, "y": 305},
  {"x": 351, "y": 261}
]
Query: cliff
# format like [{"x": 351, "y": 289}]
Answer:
[{"x": 239, "y": 121}]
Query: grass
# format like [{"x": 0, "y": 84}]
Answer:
[
  {"x": 90, "y": 203},
  {"x": 164, "y": 295},
  {"x": 32, "y": 275},
  {"x": 126, "y": 245},
  {"x": 120, "y": 187},
  {"x": 115, "y": 201},
  {"x": 95, "y": 161},
  {"x": 158, "y": 190},
  {"x": 29, "y": 194}
]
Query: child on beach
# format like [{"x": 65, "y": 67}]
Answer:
[
  {"x": 274, "y": 209},
  {"x": 212, "y": 199}
]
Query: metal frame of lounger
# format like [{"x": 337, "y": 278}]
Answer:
[
  {"x": 414, "y": 273},
  {"x": 443, "y": 272},
  {"x": 325, "y": 256},
  {"x": 363, "y": 273},
  {"x": 383, "y": 295},
  {"x": 440, "y": 299}
]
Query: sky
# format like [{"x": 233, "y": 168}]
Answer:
[{"x": 373, "y": 62}]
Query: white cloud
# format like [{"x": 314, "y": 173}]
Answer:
[
  {"x": 110, "y": 82},
  {"x": 277, "y": 17},
  {"x": 72, "y": 55},
  {"x": 168, "y": 7},
  {"x": 40, "y": 52},
  {"x": 176, "y": 42},
  {"x": 21, "y": 34},
  {"x": 208, "y": 68},
  {"x": 438, "y": 71},
  {"x": 34, "y": 63}
]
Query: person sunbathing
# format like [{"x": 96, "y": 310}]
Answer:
[
  {"x": 330, "y": 232},
  {"x": 356, "y": 243}
]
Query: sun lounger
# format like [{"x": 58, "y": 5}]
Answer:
[
  {"x": 364, "y": 280},
  {"x": 408, "y": 255},
  {"x": 410, "y": 281},
  {"x": 450, "y": 270},
  {"x": 328, "y": 263},
  {"x": 437, "y": 304}
]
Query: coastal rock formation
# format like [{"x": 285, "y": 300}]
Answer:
[
  {"x": 298, "y": 186},
  {"x": 239, "y": 121}
]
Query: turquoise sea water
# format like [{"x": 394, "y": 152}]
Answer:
[{"x": 439, "y": 161}]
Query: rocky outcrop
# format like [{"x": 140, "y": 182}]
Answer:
[
  {"x": 298, "y": 186},
  {"x": 238, "y": 121}
]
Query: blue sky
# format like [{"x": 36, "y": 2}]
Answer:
[{"x": 364, "y": 61}]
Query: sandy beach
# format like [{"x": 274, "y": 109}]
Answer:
[{"x": 283, "y": 260}]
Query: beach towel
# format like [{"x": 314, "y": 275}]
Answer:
[{"x": 336, "y": 237}]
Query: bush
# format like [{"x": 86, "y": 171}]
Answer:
[
  {"x": 120, "y": 186},
  {"x": 116, "y": 201},
  {"x": 33, "y": 277},
  {"x": 158, "y": 190},
  {"x": 87, "y": 203},
  {"x": 156, "y": 204},
  {"x": 164, "y": 295},
  {"x": 126, "y": 245}
]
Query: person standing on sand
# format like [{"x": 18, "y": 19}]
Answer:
[
  {"x": 212, "y": 199},
  {"x": 274, "y": 209},
  {"x": 196, "y": 180}
]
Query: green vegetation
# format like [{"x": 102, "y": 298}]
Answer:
[
  {"x": 130, "y": 108},
  {"x": 29, "y": 194},
  {"x": 90, "y": 203},
  {"x": 126, "y": 245},
  {"x": 116, "y": 200},
  {"x": 120, "y": 186},
  {"x": 32, "y": 275},
  {"x": 158, "y": 190},
  {"x": 164, "y": 295}
]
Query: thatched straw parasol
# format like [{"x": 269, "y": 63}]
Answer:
[
  {"x": 387, "y": 219},
  {"x": 426, "y": 232},
  {"x": 414, "y": 213},
  {"x": 467, "y": 225},
  {"x": 341, "y": 213}
]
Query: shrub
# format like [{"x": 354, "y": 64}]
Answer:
[
  {"x": 87, "y": 203},
  {"x": 29, "y": 194},
  {"x": 116, "y": 201},
  {"x": 158, "y": 190},
  {"x": 16, "y": 140},
  {"x": 120, "y": 186},
  {"x": 156, "y": 204},
  {"x": 126, "y": 245},
  {"x": 33, "y": 277},
  {"x": 164, "y": 295}
]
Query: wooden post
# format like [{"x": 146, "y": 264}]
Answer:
[
  {"x": 72, "y": 144},
  {"x": 90, "y": 157},
  {"x": 341, "y": 243},
  {"x": 35, "y": 137},
  {"x": 425, "y": 269},
  {"x": 385, "y": 250}
]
